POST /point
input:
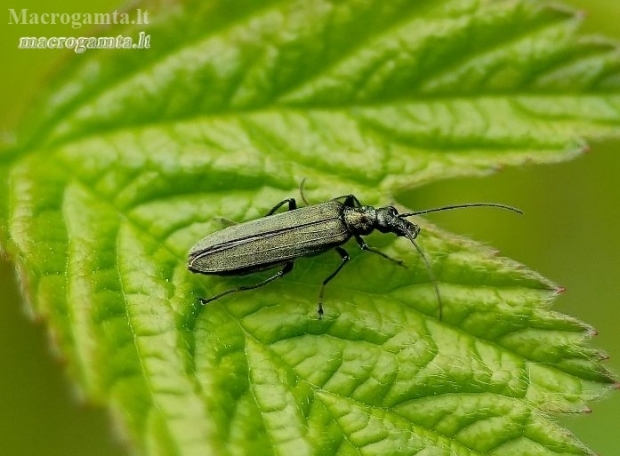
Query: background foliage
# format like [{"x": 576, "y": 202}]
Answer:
[{"x": 568, "y": 235}]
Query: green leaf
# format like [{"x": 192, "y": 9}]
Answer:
[{"x": 131, "y": 157}]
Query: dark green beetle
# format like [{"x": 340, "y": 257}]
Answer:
[{"x": 278, "y": 240}]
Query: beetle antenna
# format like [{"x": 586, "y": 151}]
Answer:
[
  {"x": 301, "y": 192},
  {"x": 459, "y": 206},
  {"x": 430, "y": 273}
]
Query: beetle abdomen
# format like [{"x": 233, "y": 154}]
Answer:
[{"x": 271, "y": 241}]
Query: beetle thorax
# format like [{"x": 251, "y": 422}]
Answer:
[{"x": 360, "y": 220}]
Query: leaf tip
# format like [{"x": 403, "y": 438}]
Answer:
[
  {"x": 581, "y": 14},
  {"x": 603, "y": 356},
  {"x": 568, "y": 11}
]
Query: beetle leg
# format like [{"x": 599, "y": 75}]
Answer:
[
  {"x": 345, "y": 258},
  {"x": 349, "y": 200},
  {"x": 288, "y": 267},
  {"x": 366, "y": 247},
  {"x": 292, "y": 205}
]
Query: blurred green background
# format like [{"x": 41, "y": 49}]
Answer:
[{"x": 569, "y": 233}]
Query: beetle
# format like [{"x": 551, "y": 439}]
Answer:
[{"x": 277, "y": 240}]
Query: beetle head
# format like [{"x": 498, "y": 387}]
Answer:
[{"x": 389, "y": 221}]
